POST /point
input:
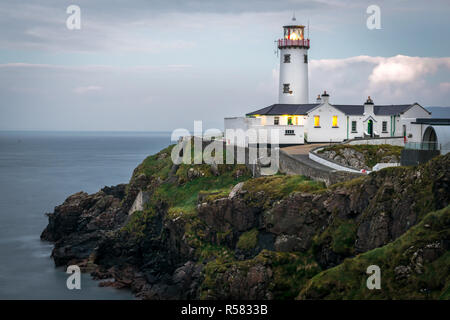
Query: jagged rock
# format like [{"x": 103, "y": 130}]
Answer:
[
  {"x": 402, "y": 272},
  {"x": 141, "y": 199},
  {"x": 236, "y": 189}
]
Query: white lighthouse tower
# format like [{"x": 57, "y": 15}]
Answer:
[{"x": 293, "y": 47}]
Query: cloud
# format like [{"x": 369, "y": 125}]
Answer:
[
  {"x": 390, "y": 79},
  {"x": 401, "y": 69},
  {"x": 82, "y": 90}
]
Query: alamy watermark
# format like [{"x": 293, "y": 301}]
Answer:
[
  {"x": 374, "y": 19},
  {"x": 234, "y": 146},
  {"x": 73, "y": 21},
  {"x": 74, "y": 280},
  {"x": 374, "y": 281}
]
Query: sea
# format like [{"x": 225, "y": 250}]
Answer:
[{"x": 38, "y": 171}]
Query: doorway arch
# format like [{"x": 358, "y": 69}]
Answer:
[{"x": 429, "y": 139}]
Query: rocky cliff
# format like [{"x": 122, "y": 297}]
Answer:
[
  {"x": 215, "y": 233},
  {"x": 362, "y": 156}
]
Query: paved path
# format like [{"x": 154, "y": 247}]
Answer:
[{"x": 301, "y": 153}]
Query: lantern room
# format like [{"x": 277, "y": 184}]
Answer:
[
  {"x": 294, "y": 32},
  {"x": 293, "y": 36}
]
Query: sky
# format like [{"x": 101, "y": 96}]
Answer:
[{"x": 157, "y": 65}]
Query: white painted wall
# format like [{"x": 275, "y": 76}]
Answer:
[
  {"x": 326, "y": 133},
  {"x": 263, "y": 133},
  {"x": 410, "y": 116},
  {"x": 296, "y": 74}
]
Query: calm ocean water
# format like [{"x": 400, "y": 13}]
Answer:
[{"x": 38, "y": 170}]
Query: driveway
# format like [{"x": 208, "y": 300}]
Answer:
[{"x": 301, "y": 153}]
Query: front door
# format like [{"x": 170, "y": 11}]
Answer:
[{"x": 370, "y": 128}]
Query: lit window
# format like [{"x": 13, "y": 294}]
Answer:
[
  {"x": 287, "y": 58},
  {"x": 276, "y": 121},
  {"x": 353, "y": 126},
  {"x": 289, "y": 121},
  {"x": 334, "y": 122},
  {"x": 316, "y": 121}
]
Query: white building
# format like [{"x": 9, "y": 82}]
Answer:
[{"x": 296, "y": 121}]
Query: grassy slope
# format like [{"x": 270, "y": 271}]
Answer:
[{"x": 348, "y": 280}]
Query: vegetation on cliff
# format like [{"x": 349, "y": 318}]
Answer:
[
  {"x": 414, "y": 266},
  {"x": 213, "y": 232},
  {"x": 362, "y": 156}
]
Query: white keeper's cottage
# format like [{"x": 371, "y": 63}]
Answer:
[{"x": 298, "y": 121}]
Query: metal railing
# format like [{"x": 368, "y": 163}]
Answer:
[
  {"x": 424, "y": 145},
  {"x": 293, "y": 43}
]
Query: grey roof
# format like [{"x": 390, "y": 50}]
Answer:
[
  {"x": 386, "y": 110},
  {"x": 349, "y": 109},
  {"x": 280, "y": 109},
  {"x": 433, "y": 121},
  {"x": 391, "y": 109}
]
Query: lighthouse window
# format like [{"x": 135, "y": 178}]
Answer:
[
  {"x": 286, "y": 88},
  {"x": 287, "y": 58},
  {"x": 305, "y": 57}
]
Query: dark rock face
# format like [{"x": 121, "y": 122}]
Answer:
[
  {"x": 162, "y": 262},
  {"x": 80, "y": 222}
]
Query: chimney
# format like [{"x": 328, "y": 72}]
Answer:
[
  {"x": 325, "y": 97},
  {"x": 318, "y": 100},
  {"x": 368, "y": 106}
]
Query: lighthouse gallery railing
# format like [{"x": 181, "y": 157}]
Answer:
[{"x": 293, "y": 43}]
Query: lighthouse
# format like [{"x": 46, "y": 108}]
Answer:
[{"x": 293, "y": 88}]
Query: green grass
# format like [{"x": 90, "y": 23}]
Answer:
[
  {"x": 372, "y": 153},
  {"x": 277, "y": 187},
  {"x": 157, "y": 165},
  {"x": 185, "y": 195},
  {"x": 348, "y": 280},
  {"x": 248, "y": 240}
]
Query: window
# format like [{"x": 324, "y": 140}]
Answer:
[
  {"x": 305, "y": 58},
  {"x": 289, "y": 121},
  {"x": 316, "y": 121},
  {"x": 289, "y": 132},
  {"x": 287, "y": 58},
  {"x": 276, "y": 121},
  {"x": 353, "y": 126},
  {"x": 384, "y": 128},
  {"x": 286, "y": 88},
  {"x": 334, "y": 123}
]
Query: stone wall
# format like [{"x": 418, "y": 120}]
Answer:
[
  {"x": 394, "y": 141},
  {"x": 313, "y": 155},
  {"x": 292, "y": 165}
]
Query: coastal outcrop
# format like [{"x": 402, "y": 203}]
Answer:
[
  {"x": 217, "y": 233},
  {"x": 362, "y": 157}
]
